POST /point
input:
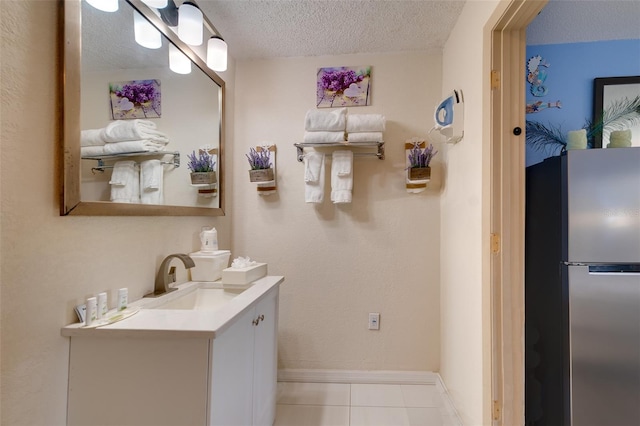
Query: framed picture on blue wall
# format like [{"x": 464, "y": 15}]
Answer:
[{"x": 616, "y": 111}]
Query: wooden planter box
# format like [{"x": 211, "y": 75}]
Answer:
[
  {"x": 261, "y": 175},
  {"x": 199, "y": 178},
  {"x": 420, "y": 173}
]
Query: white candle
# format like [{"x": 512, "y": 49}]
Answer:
[{"x": 577, "y": 139}]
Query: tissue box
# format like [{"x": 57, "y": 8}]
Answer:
[
  {"x": 209, "y": 265},
  {"x": 243, "y": 276}
]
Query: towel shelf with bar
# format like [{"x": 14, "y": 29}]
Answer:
[
  {"x": 379, "y": 145},
  {"x": 102, "y": 166}
]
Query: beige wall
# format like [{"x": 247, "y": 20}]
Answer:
[
  {"x": 383, "y": 253},
  {"x": 51, "y": 263},
  {"x": 464, "y": 330},
  {"x": 378, "y": 254}
]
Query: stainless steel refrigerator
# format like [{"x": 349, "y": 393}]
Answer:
[{"x": 582, "y": 289}]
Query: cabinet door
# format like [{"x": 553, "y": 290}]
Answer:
[
  {"x": 265, "y": 361},
  {"x": 232, "y": 374}
]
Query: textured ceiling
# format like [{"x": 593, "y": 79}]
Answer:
[
  {"x": 282, "y": 28},
  {"x": 268, "y": 28},
  {"x": 572, "y": 21}
]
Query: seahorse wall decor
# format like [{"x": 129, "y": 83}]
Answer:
[{"x": 537, "y": 75}]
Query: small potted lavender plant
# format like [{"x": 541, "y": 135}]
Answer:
[
  {"x": 260, "y": 162},
  {"x": 203, "y": 167},
  {"x": 419, "y": 160}
]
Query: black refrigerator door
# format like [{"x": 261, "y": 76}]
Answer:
[{"x": 546, "y": 299}]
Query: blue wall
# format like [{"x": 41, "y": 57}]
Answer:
[{"x": 573, "y": 66}]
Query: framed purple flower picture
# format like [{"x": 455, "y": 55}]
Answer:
[
  {"x": 343, "y": 87},
  {"x": 135, "y": 99}
]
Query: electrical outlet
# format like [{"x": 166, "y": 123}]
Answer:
[{"x": 374, "y": 321}]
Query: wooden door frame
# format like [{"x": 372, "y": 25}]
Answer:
[{"x": 504, "y": 171}]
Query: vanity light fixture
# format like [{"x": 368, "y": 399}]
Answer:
[
  {"x": 104, "y": 5},
  {"x": 178, "y": 61},
  {"x": 190, "y": 21},
  {"x": 158, "y": 4},
  {"x": 145, "y": 34},
  {"x": 217, "y": 54}
]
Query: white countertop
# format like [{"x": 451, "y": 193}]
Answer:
[{"x": 150, "y": 322}]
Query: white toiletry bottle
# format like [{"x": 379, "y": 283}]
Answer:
[
  {"x": 92, "y": 311},
  {"x": 209, "y": 239},
  {"x": 102, "y": 305},
  {"x": 123, "y": 299}
]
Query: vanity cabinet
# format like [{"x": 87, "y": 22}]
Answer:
[
  {"x": 123, "y": 377},
  {"x": 243, "y": 376}
]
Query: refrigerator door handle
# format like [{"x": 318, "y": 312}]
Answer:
[{"x": 632, "y": 269}]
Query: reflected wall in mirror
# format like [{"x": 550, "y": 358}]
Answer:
[
  {"x": 186, "y": 115},
  {"x": 617, "y": 104}
]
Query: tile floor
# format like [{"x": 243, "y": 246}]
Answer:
[{"x": 337, "y": 404}]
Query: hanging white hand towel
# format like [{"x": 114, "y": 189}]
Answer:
[
  {"x": 314, "y": 177},
  {"x": 151, "y": 182},
  {"x": 125, "y": 182},
  {"x": 341, "y": 176}
]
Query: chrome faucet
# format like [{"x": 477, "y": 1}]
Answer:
[{"x": 164, "y": 277}]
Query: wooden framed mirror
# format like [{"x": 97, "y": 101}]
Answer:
[{"x": 101, "y": 60}]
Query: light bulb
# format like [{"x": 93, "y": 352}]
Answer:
[
  {"x": 145, "y": 34},
  {"x": 104, "y": 5},
  {"x": 158, "y": 4},
  {"x": 190, "y": 24},
  {"x": 217, "y": 54},
  {"x": 178, "y": 61}
]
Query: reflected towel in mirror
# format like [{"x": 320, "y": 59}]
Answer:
[
  {"x": 151, "y": 182},
  {"x": 125, "y": 182}
]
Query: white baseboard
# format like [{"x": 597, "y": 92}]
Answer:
[
  {"x": 359, "y": 376},
  {"x": 374, "y": 377}
]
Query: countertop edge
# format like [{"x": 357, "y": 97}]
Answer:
[{"x": 191, "y": 322}]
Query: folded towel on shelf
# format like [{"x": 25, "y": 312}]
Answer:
[
  {"x": 151, "y": 182},
  {"x": 341, "y": 176},
  {"x": 313, "y": 177},
  {"x": 365, "y": 123},
  {"x": 128, "y": 130},
  {"x": 325, "y": 121},
  {"x": 122, "y": 148},
  {"x": 323, "y": 137},
  {"x": 91, "y": 137},
  {"x": 365, "y": 137},
  {"x": 125, "y": 182}
]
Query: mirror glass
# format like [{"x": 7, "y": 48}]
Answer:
[
  {"x": 139, "y": 121},
  {"x": 617, "y": 103}
]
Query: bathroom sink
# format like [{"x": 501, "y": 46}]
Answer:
[{"x": 201, "y": 299}]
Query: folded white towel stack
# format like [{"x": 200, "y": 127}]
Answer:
[
  {"x": 125, "y": 182},
  {"x": 325, "y": 121},
  {"x": 122, "y": 147},
  {"x": 130, "y": 130},
  {"x": 341, "y": 176},
  {"x": 365, "y": 137},
  {"x": 357, "y": 123},
  {"x": 313, "y": 177},
  {"x": 325, "y": 126},
  {"x": 323, "y": 137},
  {"x": 365, "y": 127},
  {"x": 151, "y": 182},
  {"x": 91, "y": 137}
]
